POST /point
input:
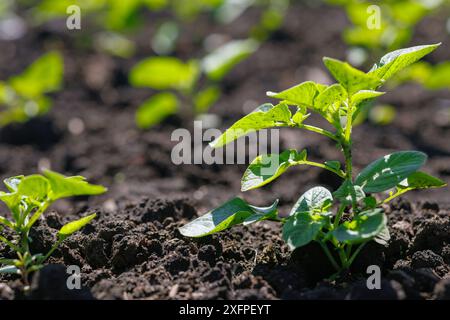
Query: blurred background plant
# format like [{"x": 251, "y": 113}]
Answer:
[{"x": 23, "y": 96}]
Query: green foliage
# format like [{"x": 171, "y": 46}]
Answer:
[
  {"x": 24, "y": 96},
  {"x": 357, "y": 199},
  {"x": 163, "y": 73},
  {"x": 169, "y": 73},
  {"x": 28, "y": 197},
  {"x": 155, "y": 109},
  {"x": 219, "y": 62}
]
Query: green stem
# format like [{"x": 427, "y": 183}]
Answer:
[
  {"x": 329, "y": 256},
  {"x": 9, "y": 243},
  {"x": 343, "y": 257},
  {"x": 338, "y": 217},
  {"x": 340, "y": 173},
  {"x": 56, "y": 245},
  {"x": 319, "y": 131},
  {"x": 36, "y": 215},
  {"x": 395, "y": 195},
  {"x": 355, "y": 254}
]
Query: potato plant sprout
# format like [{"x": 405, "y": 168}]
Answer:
[
  {"x": 358, "y": 215},
  {"x": 28, "y": 197}
]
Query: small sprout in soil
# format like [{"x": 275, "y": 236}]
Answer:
[
  {"x": 358, "y": 215},
  {"x": 23, "y": 96},
  {"x": 28, "y": 198}
]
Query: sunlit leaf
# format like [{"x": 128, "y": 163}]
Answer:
[
  {"x": 156, "y": 109},
  {"x": 266, "y": 168},
  {"x": 231, "y": 213},
  {"x": 387, "y": 172},
  {"x": 63, "y": 187},
  {"x": 265, "y": 116},
  {"x": 312, "y": 200},
  {"x": 74, "y": 226},
  {"x": 395, "y": 61},
  {"x": 220, "y": 62},
  {"x": 42, "y": 76},
  {"x": 353, "y": 80},
  {"x": 164, "y": 73},
  {"x": 363, "y": 227}
]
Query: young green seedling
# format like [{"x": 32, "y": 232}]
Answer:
[
  {"x": 28, "y": 198},
  {"x": 359, "y": 217},
  {"x": 22, "y": 97}
]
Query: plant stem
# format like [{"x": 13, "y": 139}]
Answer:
[
  {"x": 319, "y": 131},
  {"x": 56, "y": 245},
  {"x": 329, "y": 256},
  {"x": 323, "y": 166},
  {"x": 395, "y": 195},
  {"x": 338, "y": 217},
  {"x": 357, "y": 251}
]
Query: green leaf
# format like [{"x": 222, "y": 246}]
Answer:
[
  {"x": 301, "y": 229},
  {"x": 328, "y": 103},
  {"x": 12, "y": 201},
  {"x": 387, "y": 172},
  {"x": 353, "y": 80},
  {"x": 266, "y": 168},
  {"x": 397, "y": 60},
  {"x": 300, "y": 116},
  {"x": 72, "y": 227},
  {"x": 12, "y": 262},
  {"x": 63, "y": 187},
  {"x": 231, "y": 213},
  {"x": 420, "y": 180},
  {"x": 10, "y": 269},
  {"x": 365, "y": 95},
  {"x": 220, "y": 62},
  {"x": 348, "y": 192},
  {"x": 156, "y": 109},
  {"x": 262, "y": 213},
  {"x": 5, "y": 222},
  {"x": 363, "y": 227},
  {"x": 265, "y": 116},
  {"x": 206, "y": 98},
  {"x": 370, "y": 202},
  {"x": 163, "y": 73},
  {"x": 335, "y": 165},
  {"x": 301, "y": 95},
  {"x": 35, "y": 187},
  {"x": 312, "y": 200},
  {"x": 42, "y": 76},
  {"x": 383, "y": 237},
  {"x": 12, "y": 183}
]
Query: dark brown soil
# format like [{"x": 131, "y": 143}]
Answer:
[{"x": 134, "y": 251}]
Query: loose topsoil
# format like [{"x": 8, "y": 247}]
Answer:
[{"x": 133, "y": 249}]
